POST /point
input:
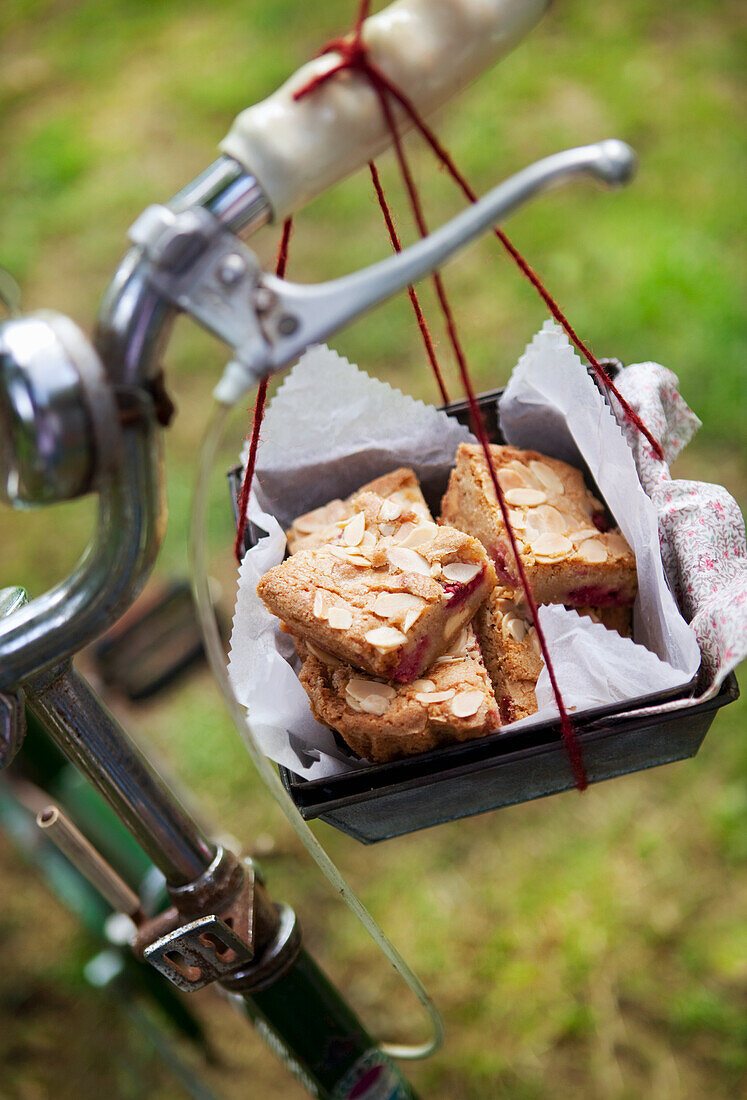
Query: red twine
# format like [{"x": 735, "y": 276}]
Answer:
[
  {"x": 353, "y": 54},
  {"x": 259, "y": 409}
]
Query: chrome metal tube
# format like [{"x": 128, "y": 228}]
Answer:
[
  {"x": 230, "y": 193},
  {"x": 82, "y": 854},
  {"x": 95, "y": 742},
  {"x": 129, "y": 529},
  {"x": 133, "y": 328},
  {"x": 134, "y": 321}
]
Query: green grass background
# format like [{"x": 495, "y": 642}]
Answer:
[{"x": 579, "y": 947}]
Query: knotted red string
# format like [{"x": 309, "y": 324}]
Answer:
[
  {"x": 354, "y": 55},
  {"x": 259, "y": 409}
]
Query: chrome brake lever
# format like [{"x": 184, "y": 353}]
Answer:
[{"x": 208, "y": 273}]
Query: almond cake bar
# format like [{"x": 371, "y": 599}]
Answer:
[
  {"x": 324, "y": 524},
  {"x": 569, "y": 554},
  {"x": 511, "y": 650},
  {"x": 390, "y": 597},
  {"x": 453, "y": 701}
]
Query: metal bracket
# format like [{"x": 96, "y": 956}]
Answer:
[
  {"x": 206, "y": 271},
  {"x": 198, "y": 953},
  {"x": 219, "y": 923}
]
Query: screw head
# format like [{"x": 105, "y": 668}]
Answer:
[
  {"x": 231, "y": 269},
  {"x": 264, "y": 299},
  {"x": 287, "y": 324}
]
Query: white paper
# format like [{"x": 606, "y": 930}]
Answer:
[
  {"x": 331, "y": 428},
  {"x": 594, "y": 666},
  {"x": 552, "y": 405}
]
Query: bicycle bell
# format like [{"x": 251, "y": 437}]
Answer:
[{"x": 54, "y": 401}]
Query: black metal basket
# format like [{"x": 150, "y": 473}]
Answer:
[{"x": 386, "y": 800}]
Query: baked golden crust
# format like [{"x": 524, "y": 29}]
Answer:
[
  {"x": 452, "y": 702},
  {"x": 512, "y": 654},
  {"x": 321, "y": 525},
  {"x": 559, "y": 526},
  {"x": 389, "y": 597}
]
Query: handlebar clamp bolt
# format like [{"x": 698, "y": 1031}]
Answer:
[{"x": 232, "y": 270}]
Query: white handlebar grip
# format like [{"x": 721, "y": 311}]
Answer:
[{"x": 430, "y": 49}]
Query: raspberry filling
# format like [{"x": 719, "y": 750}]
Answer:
[
  {"x": 601, "y": 522},
  {"x": 595, "y": 595},
  {"x": 410, "y": 666},
  {"x": 499, "y": 554},
  {"x": 460, "y": 593},
  {"x": 507, "y": 710}
]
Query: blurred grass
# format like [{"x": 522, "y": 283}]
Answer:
[{"x": 580, "y": 947}]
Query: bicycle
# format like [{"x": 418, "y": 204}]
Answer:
[{"x": 197, "y": 846}]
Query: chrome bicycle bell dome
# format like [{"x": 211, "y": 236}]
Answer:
[{"x": 52, "y": 388}]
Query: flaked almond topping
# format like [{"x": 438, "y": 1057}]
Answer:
[
  {"x": 593, "y": 551},
  {"x": 435, "y": 569},
  {"x": 584, "y": 533},
  {"x": 401, "y": 534},
  {"x": 352, "y": 532},
  {"x": 548, "y": 545},
  {"x": 528, "y": 498},
  {"x": 517, "y": 519},
  {"x": 391, "y": 604},
  {"x": 526, "y": 475},
  {"x": 321, "y": 604},
  {"x": 323, "y": 656},
  {"x": 550, "y": 519},
  {"x": 424, "y": 532},
  {"x": 616, "y": 544},
  {"x": 338, "y": 552},
  {"x": 461, "y": 572},
  {"x": 359, "y": 560},
  {"x": 390, "y": 509},
  {"x": 534, "y": 641},
  {"x": 387, "y": 528},
  {"x": 368, "y": 541},
  {"x": 385, "y": 637},
  {"x": 420, "y": 510},
  {"x": 510, "y": 479},
  {"x": 411, "y": 617},
  {"x": 423, "y": 685},
  {"x": 547, "y": 477},
  {"x": 363, "y": 690},
  {"x": 466, "y": 703},
  {"x": 448, "y": 659},
  {"x": 374, "y": 704},
  {"x": 513, "y": 626},
  {"x": 427, "y": 697},
  {"x": 505, "y": 606},
  {"x": 340, "y": 618},
  {"x": 409, "y": 561}
]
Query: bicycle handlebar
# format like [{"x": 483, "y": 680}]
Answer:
[{"x": 430, "y": 49}]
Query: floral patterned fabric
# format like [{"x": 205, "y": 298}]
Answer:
[{"x": 701, "y": 528}]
